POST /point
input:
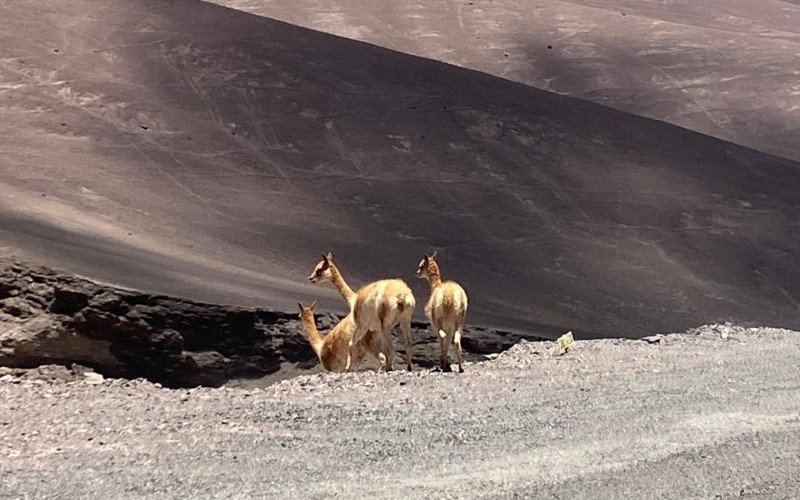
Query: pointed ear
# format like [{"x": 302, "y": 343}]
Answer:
[
  {"x": 330, "y": 256},
  {"x": 313, "y": 305},
  {"x": 300, "y": 306},
  {"x": 324, "y": 258},
  {"x": 433, "y": 257}
]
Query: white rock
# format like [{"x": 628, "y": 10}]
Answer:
[{"x": 93, "y": 378}]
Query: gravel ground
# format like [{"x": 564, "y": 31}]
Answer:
[{"x": 684, "y": 415}]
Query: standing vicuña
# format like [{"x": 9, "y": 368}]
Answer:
[
  {"x": 376, "y": 307},
  {"x": 332, "y": 350},
  {"x": 446, "y": 309},
  {"x": 326, "y": 271}
]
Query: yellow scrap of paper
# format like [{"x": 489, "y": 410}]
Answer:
[{"x": 565, "y": 342}]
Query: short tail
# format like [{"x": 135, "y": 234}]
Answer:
[
  {"x": 401, "y": 302},
  {"x": 405, "y": 303}
]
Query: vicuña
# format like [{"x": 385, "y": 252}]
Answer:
[{"x": 446, "y": 309}]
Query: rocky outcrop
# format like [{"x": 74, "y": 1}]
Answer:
[
  {"x": 47, "y": 317},
  {"x": 52, "y": 318}
]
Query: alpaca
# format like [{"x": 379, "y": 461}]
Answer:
[
  {"x": 376, "y": 307},
  {"x": 333, "y": 349},
  {"x": 446, "y": 309}
]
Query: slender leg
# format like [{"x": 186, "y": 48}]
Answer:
[
  {"x": 443, "y": 347},
  {"x": 442, "y": 354},
  {"x": 357, "y": 336},
  {"x": 387, "y": 338},
  {"x": 405, "y": 324},
  {"x": 349, "y": 355},
  {"x": 459, "y": 356},
  {"x": 376, "y": 352}
]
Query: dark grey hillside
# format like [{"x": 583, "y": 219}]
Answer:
[{"x": 189, "y": 149}]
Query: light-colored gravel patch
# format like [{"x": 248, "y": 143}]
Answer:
[{"x": 689, "y": 415}]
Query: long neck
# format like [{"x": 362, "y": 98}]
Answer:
[
  {"x": 341, "y": 285},
  {"x": 434, "y": 276},
  {"x": 310, "y": 326}
]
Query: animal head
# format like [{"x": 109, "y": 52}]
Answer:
[
  {"x": 322, "y": 272},
  {"x": 307, "y": 312},
  {"x": 428, "y": 266}
]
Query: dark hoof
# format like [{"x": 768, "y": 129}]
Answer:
[
  {"x": 409, "y": 368},
  {"x": 460, "y": 370},
  {"x": 446, "y": 369}
]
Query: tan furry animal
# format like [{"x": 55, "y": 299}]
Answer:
[
  {"x": 326, "y": 271},
  {"x": 376, "y": 307},
  {"x": 333, "y": 349},
  {"x": 446, "y": 309}
]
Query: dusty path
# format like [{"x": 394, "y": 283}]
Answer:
[{"x": 695, "y": 415}]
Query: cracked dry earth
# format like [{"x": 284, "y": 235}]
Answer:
[{"x": 709, "y": 413}]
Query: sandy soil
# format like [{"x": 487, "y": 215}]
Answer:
[{"x": 689, "y": 415}]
